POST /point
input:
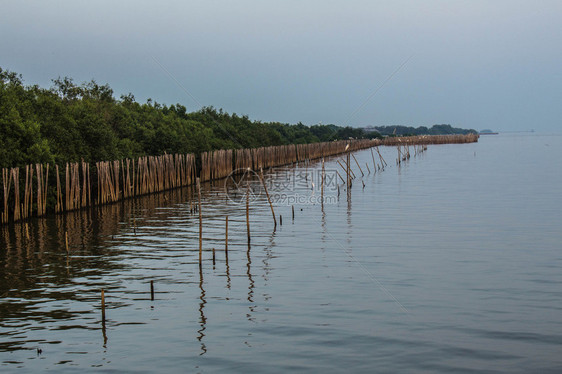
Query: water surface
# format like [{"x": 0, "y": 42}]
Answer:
[{"x": 449, "y": 263}]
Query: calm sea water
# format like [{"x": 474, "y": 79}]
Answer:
[{"x": 450, "y": 263}]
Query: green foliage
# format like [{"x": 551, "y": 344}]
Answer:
[{"x": 70, "y": 122}]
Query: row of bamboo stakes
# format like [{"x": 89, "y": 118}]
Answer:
[
  {"x": 112, "y": 181},
  {"x": 430, "y": 139},
  {"x": 162, "y": 173}
]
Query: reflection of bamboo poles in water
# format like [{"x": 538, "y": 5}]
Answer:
[
  {"x": 203, "y": 319},
  {"x": 251, "y": 283},
  {"x": 228, "y": 283},
  {"x": 26, "y": 245}
]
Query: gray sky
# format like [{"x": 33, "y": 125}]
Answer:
[{"x": 473, "y": 64}]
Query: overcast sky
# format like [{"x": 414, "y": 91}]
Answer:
[{"x": 473, "y": 64}]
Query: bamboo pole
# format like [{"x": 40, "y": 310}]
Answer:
[
  {"x": 322, "y": 181},
  {"x": 383, "y": 162},
  {"x": 268, "y": 199},
  {"x": 102, "y": 305},
  {"x": 200, "y": 223},
  {"x": 361, "y": 170},
  {"x": 120, "y": 179},
  {"x": 337, "y": 172},
  {"x": 17, "y": 205},
  {"x": 7, "y": 181},
  {"x": 226, "y": 236},
  {"x": 348, "y": 175},
  {"x": 248, "y": 210}
]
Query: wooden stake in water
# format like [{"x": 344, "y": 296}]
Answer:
[
  {"x": 213, "y": 257},
  {"x": 348, "y": 174},
  {"x": 102, "y": 306},
  {"x": 226, "y": 236},
  {"x": 322, "y": 182},
  {"x": 248, "y": 210},
  {"x": 337, "y": 172},
  {"x": 152, "y": 290},
  {"x": 200, "y": 223},
  {"x": 293, "y": 209},
  {"x": 383, "y": 162},
  {"x": 66, "y": 240}
]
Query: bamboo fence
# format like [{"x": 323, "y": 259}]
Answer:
[{"x": 112, "y": 181}]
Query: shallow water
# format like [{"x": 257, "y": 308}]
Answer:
[{"x": 448, "y": 263}]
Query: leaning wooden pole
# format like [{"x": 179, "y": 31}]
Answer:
[
  {"x": 361, "y": 170},
  {"x": 374, "y": 163},
  {"x": 268, "y": 199}
]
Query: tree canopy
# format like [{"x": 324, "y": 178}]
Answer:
[{"x": 69, "y": 122}]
